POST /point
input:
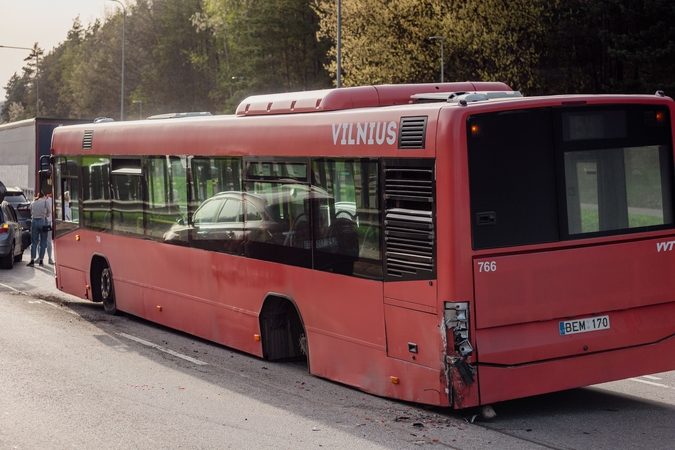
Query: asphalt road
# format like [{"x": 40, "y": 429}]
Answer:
[{"x": 73, "y": 377}]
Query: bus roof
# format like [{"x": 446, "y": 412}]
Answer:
[
  {"x": 355, "y": 97},
  {"x": 325, "y": 128}
]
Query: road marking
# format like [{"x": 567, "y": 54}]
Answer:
[
  {"x": 38, "y": 300},
  {"x": 15, "y": 290},
  {"x": 42, "y": 301},
  {"x": 650, "y": 377},
  {"x": 162, "y": 349},
  {"x": 649, "y": 382}
]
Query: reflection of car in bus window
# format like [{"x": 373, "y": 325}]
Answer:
[
  {"x": 279, "y": 216},
  {"x": 220, "y": 223}
]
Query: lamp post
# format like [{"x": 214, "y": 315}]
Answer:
[
  {"x": 339, "y": 30},
  {"x": 37, "y": 82},
  {"x": 124, "y": 24},
  {"x": 439, "y": 38},
  {"x": 140, "y": 111}
]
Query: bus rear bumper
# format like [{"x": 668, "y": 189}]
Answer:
[{"x": 498, "y": 383}]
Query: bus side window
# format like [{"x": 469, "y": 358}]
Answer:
[
  {"x": 95, "y": 193},
  {"x": 211, "y": 176},
  {"x": 167, "y": 194},
  {"x": 347, "y": 220},
  {"x": 280, "y": 229},
  {"x": 214, "y": 218},
  {"x": 127, "y": 196}
]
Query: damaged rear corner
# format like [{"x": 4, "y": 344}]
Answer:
[{"x": 460, "y": 372}]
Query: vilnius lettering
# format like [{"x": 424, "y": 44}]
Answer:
[{"x": 369, "y": 133}]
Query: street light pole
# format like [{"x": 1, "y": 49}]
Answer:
[
  {"x": 37, "y": 80},
  {"x": 439, "y": 38},
  {"x": 339, "y": 30},
  {"x": 124, "y": 24}
]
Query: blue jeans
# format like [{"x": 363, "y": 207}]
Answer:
[{"x": 38, "y": 236}]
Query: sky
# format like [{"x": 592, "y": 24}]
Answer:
[{"x": 47, "y": 22}]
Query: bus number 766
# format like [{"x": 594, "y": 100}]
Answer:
[{"x": 487, "y": 266}]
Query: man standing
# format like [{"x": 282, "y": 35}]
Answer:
[{"x": 40, "y": 212}]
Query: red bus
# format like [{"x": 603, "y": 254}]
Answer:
[{"x": 450, "y": 244}]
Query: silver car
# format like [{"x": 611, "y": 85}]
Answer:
[{"x": 11, "y": 250}]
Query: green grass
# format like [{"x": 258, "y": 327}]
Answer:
[
  {"x": 639, "y": 220},
  {"x": 590, "y": 221}
]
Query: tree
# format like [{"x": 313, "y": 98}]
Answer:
[
  {"x": 384, "y": 41},
  {"x": 640, "y": 46},
  {"x": 16, "y": 90},
  {"x": 59, "y": 72},
  {"x": 31, "y": 70},
  {"x": 207, "y": 55},
  {"x": 623, "y": 46},
  {"x": 264, "y": 47},
  {"x": 22, "y": 90},
  {"x": 172, "y": 77},
  {"x": 17, "y": 112},
  {"x": 493, "y": 40},
  {"x": 387, "y": 41}
]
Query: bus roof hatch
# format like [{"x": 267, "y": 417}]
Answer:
[{"x": 456, "y": 97}]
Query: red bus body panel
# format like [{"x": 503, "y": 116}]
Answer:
[
  {"x": 519, "y": 306},
  {"x": 212, "y": 296},
  {"x": 500, "y": 383},
  {"x": 359, "y": 331}
]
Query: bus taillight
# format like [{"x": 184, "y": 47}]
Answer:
[{"x": 660, "y": 117}]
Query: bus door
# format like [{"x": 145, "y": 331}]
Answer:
[{"x": 66, "y": 195}]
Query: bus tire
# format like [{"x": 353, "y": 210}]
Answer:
[
  {"x": 103, "y": 288},
  {"x": 108, "y": 291}
]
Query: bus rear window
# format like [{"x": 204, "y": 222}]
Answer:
[
  {"x": 617, "y": 189},
  {"x": 552, "y": 174}
]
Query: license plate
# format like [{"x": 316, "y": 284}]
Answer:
[{"x": 584, "y": 325}]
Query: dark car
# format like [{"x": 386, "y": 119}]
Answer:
[
  {"x": 15, "y": 197},
  {"x": 11, "y": 249},
  {"x": 246, "y": 223},
  {"x": 218, "y": 224}
]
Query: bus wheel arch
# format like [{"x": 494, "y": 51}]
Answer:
[
  {"x": 102, "y": 285},
  {"x": 283, "y": 334}
]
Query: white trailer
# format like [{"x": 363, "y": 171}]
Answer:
[{"x": 22, "y": 144}]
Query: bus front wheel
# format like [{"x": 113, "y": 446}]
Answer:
[
  {"x": 107, "y": 291},
  {"x": 103, "y": 289}
]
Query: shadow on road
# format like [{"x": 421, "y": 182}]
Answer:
[{"x": 587, "y": 418}]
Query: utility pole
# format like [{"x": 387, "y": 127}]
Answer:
[
  {"x": 339, "y": 32},
  {"x": 439, "y": 38},
  {"x": 124, "y": 25}
]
